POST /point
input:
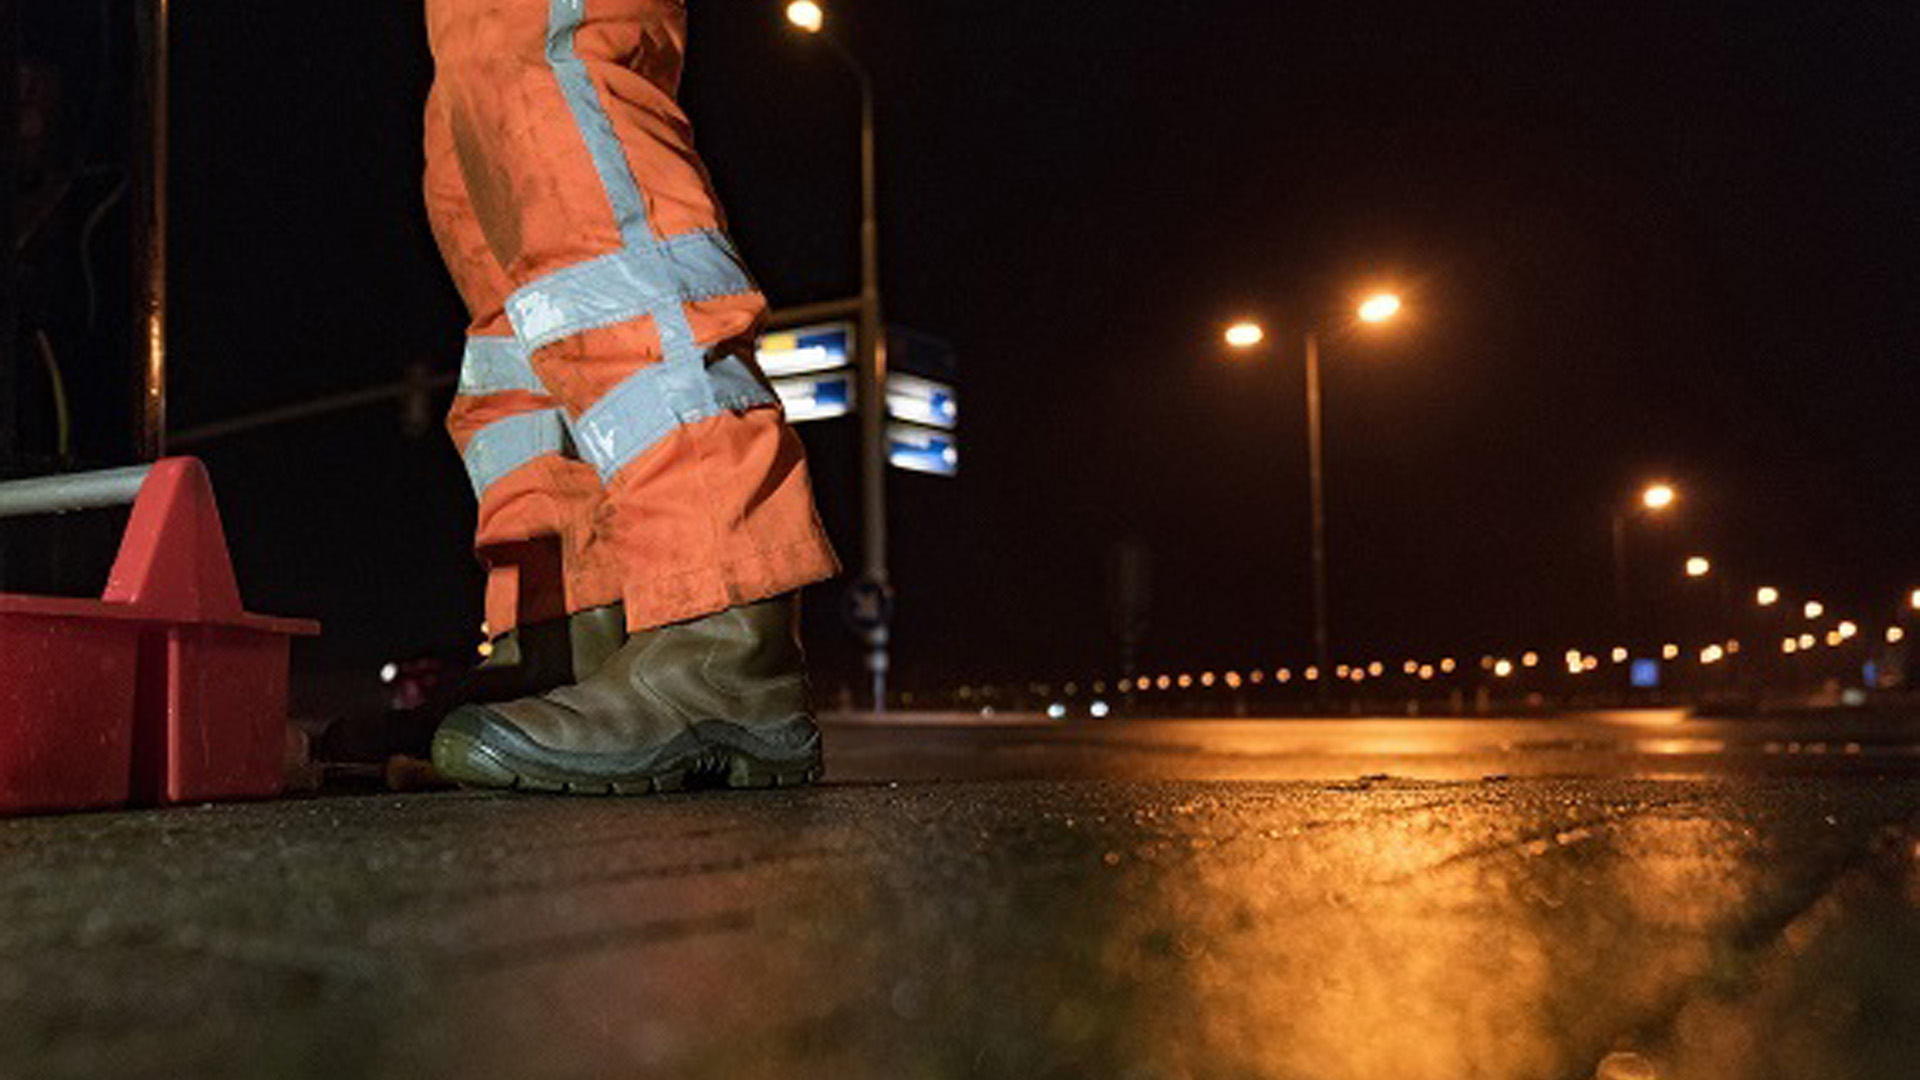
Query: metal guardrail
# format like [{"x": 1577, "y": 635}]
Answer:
[{"x": 72, "y": 491}]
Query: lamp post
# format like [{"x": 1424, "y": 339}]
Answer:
[
  {"x": 1247, "y": 335},
  {"x": 810, "y": 18},
  {"x": 1655, "y": 498}
]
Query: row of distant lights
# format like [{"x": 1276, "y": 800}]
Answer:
[{"x": 1576, "y": 661}]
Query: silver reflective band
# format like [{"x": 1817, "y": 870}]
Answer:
[
  {"x": 510, "y": 444},
  {"x": 626, "y": 285},
  {"x": 638, "y": 414},
  {"x": 596, "y": 128},
  {"x": 649, "y": 278},
  {"x": 497, "y": 365}
]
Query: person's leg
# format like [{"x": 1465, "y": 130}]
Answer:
[
  {"x": 636, "y": 315},
  {"x": 538, "y": 502},
  {"x": 628, "y": 298}
]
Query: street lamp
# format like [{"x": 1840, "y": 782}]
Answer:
[
  {"x": 1243, "y": 335},
  {"x": 1655, "y": 498},
  {"x": 1699, "y": 566},
  {"x": 806, "y": 15},
  {"x": 1766, "y": 596},
  {"x": 1813, "y": 610},
  {"x": 810, "y": 18}
]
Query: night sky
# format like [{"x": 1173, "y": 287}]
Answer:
[{"x": 1680, "y": 241}]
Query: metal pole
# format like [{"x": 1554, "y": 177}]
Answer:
[
  {"x": 152, "y": 26},
  {"x": 872, "y": 377},
  {"x": 73, "y": 491},
  {"x": 873, "y": 383},
  {"x": 1620, "y": 578},
  {"x": 1316, "y": 482},
  {"x": 9, "y": 262}
]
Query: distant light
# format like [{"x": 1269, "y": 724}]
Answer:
[
  {"x": 1530, "y": 659},
  {"x": 1379, "y": 308},
  {"x": 1847, "y": 630},
  {"x": 1835, "y": 639},
  {"x": 1286, "y": 676},
  {"x": 1245, "y": 335},
  {"x": 1790, "y": 646},
  {"x": 1257, "y": 676},
  {"x": 1658, "y": 496},
  {"x": 1503, "y": 668},
  {"x": 1411, "y": 667},
  {"x": 1895, "y": 635},
  {"x": 1814, "y": 609},
  {"x": 1669, "y": 651},
  {"x": 1126, "y": 686},
  {"x": 1163, "y": 683},
  {"x": 1699, "y": 566},
  {"x": 1206, "y": 678},
  {"x": 1057, "y": 711},
  {"x": 1808, "y": 641},
  {"x": 389, "y": 672},
  {"x": 1376, "y": 669},
  {"x": 1913, "y": 599},
  {"x": 1766, "y": 596},
  {"x": 1185, "y": 681},
  {"x": 1099, "y": 710},
  {"x": 1574, "y": 656},
  {"x": 1447, "y": 665},
  {"x": 1712, "y": 654},
  {"x": 1313, "y": 674},
  {"x": 1359, "y": 675},
  {"x": 1591, "y": 663},
  {"x": 1733, "y": 646},
  {"x": 485, "y": 649},
  {"x": 1426, "y": 672},
  {"x": 1620, "y": 654},
  {"x": 1233, "y": 680},
  {"x": 1342, "y": 671},
  {"x": 806, "y": 15}
]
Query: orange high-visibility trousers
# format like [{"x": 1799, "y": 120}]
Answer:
[{"x": 622, "y": 442}]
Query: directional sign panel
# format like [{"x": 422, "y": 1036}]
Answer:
[
  {"x": 923, "y": 450},
  {"x": 806, "y": 349},
  {"x": 816, "y": 397},
  {"x": 922, "y": 401}
]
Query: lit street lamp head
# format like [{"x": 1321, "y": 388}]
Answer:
[
  {"x": 1766, "y": 596},
  {"x": 1658, "y": 496},
  {"x": 1699, "y": 566},
  {"x": 1245, "y": 335},
  {"x": 806, "y": 15},
  {"x": 1379, "y": 308}
]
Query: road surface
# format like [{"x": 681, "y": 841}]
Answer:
[{"x": 1621, "y": 897}]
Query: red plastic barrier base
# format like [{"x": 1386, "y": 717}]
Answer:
[
  {"x": 164, "y": 690},
  {"x": 66, "y": 707}
]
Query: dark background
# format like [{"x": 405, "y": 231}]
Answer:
[{"x": 1673, "y": 241}]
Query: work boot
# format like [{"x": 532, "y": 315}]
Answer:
[
  {"x": 530, "y": 659},
  {"x": 717, "y": 700}
]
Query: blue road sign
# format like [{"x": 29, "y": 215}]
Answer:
[
  {"x": 816, "y": 397},
  {"x": 867, "y": 606},
  {"x": 922, "y": 401},
  {"x": 923, "y": 450},
  {"x": 806, "y": 349}
]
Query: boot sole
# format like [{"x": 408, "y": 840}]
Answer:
[{"x": 463, "y": 752}]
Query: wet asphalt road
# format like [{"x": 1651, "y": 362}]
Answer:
[{"x": 1621, "y": 897}]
